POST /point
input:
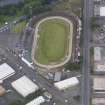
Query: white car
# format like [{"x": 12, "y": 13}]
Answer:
[
  {"x": 14, "y": 22},
  {"x": 54, "y": 103},
  {"x": 20, "y": 67},
  {"x": 6, "y": 23}
]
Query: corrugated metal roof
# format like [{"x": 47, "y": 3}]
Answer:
[
  {"x": 64, "y": 84},
  {"x": 24, "y": 86},
  {"x": 97, "y": 54},
  {"x": 5, "y": 71},
  {"x": 102, "y": 11}
]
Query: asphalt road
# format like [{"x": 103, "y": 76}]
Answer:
[
  {"x": 8, "y": 2},
  {"x": 87, "y": 14}
]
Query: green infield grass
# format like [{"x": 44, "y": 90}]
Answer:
[{"x": 53, "y": 41}]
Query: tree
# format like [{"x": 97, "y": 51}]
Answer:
[
  {"x": 94, "y": 25},
  {"x": 75, "y": 65},
  {"x": 28, "y": 7}
]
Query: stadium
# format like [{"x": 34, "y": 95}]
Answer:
[{"x": 52, "y": 43}]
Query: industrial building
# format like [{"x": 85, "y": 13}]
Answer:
[
  {"x": 99, "y": 59},
  {"x": 57, "y": 76},
  {"x": 97, "y": 53},
  {"x": 99, "y": 10},
  {"x": 99, "y": 83},
  {"x": 98, "y": 101},
  {"x": 102, "y": 11},
  {"x": 67, "y": 83},
  {"x": 24, "y": 86},
  {"x": 5, "y": 71},
  {"x": 99, "y": 67},
  {"x": 39, "y": 100}
]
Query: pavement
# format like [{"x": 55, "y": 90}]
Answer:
[
  {"x": 9, "y": 40},
  {"x": 87, "y": 14}
]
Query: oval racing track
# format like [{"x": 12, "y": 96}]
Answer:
[{"x": 69, "y": 49}]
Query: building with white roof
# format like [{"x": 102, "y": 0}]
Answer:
[
  {"x": 102, "y": 11},
  {"x": 6, "y": 71},
  {"x": 96, "y": 10},
  {"x": 99, "y": 83},
  {"x": 98, "y": 101},
  {"x": 39, "y": 100},
  {"x": 67, "y": 83},
  {"x": 57, "y": 76},
  {"x": 97, "y": 53},
  {"x": 24, "y": 86},
  {"x": 99, "y": 67}
]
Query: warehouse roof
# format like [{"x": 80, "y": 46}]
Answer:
[
  {"x": 102, "y": 11},
  {"x": 64, "y": 84},
  {"x": 100, "y": 67},
  {"x": 97, "y": 53},
  {"x": 57, "y": 76},
  {"x": 37, "y": 101},
  {"x": 24, "y": 86},
  {"x": 98, "y": 101},
  {"x": 5, "y": 71},
  {"x": 99, "y": 82}
]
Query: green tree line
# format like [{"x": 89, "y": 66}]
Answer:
[{"x": 28, "y": 7}]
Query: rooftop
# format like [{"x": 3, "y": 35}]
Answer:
[
  {"x": 99, "y": 83},
  {"x": 98, "y": 101},
  {"x": 102, "y": 11},
  {"x": 24, "y": 86},
  {"x": 97, "y": 53},
  {"x": 64, "y": 84},
  {"x": 5, "y": 71},
  {"x": 99, "y": 59}
]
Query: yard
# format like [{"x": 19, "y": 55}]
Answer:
[{"x": 53, "y": 41}]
